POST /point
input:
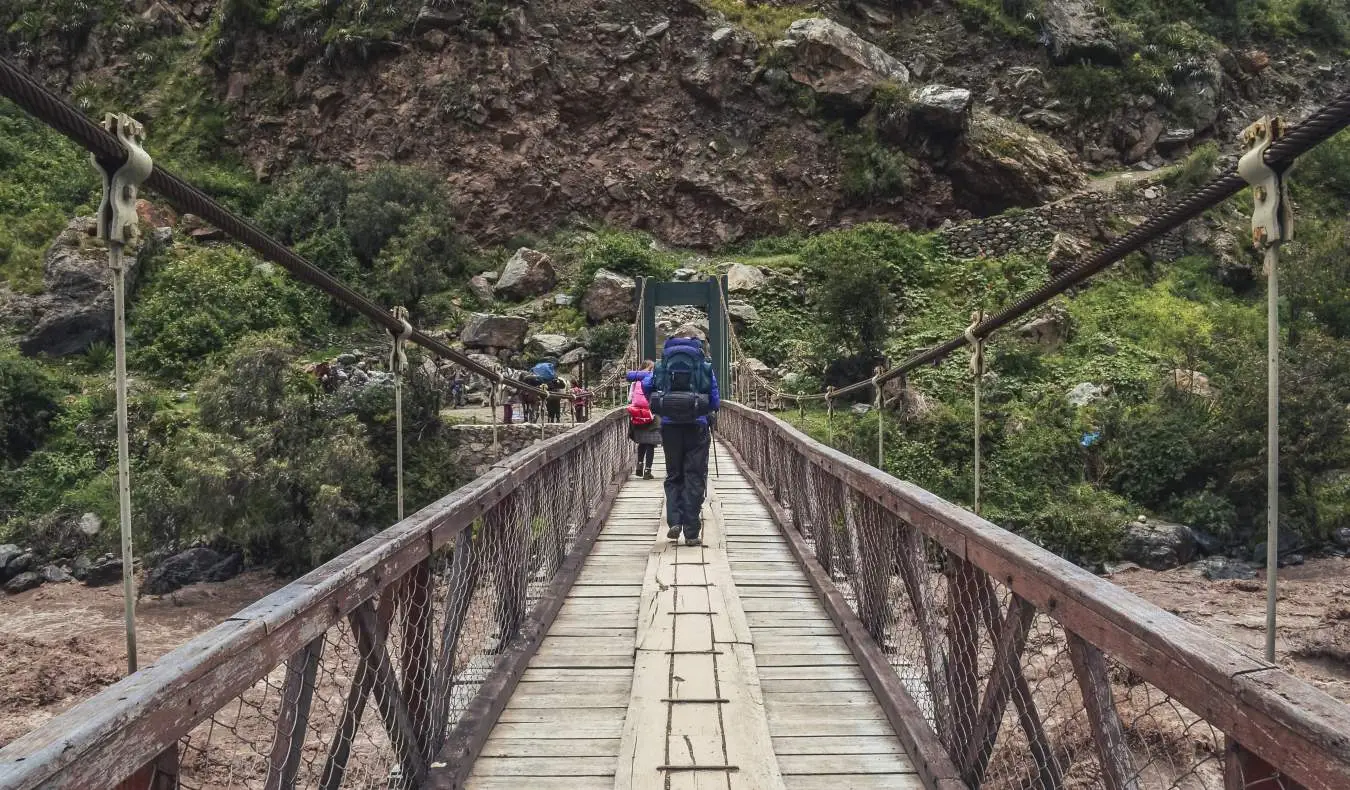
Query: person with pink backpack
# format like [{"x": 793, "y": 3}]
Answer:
[{"x": 643, "y": 427}]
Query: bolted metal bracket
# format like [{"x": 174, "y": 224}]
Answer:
[
  {"x": 117, "y": 221},
  {"x": 1272, "y": 215}
]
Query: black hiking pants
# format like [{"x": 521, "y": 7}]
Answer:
[{"x": 686, "y": 450}]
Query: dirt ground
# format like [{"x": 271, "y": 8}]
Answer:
[
  {"x": 1313, "y": 626},
  {"x": 61, "y": 643}
]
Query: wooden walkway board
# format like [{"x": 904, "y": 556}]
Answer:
[{"x": 668, "y": 663}]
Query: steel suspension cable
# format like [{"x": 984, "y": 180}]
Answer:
[{"x": 59, "y": 114}]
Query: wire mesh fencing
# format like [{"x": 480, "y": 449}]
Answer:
[
  {"x": 1042, "y": 695},
  {"x": 366, "y": 672}
]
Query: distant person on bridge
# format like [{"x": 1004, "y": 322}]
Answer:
[
  {"x": 643, "y": 428},
  {"x": 683, "y": 391}
]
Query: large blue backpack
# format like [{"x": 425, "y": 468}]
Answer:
[
  {"x": 682, "y": 386},
  {"x": 545, "y": 372}
]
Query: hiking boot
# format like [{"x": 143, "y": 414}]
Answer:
[
  {"x": 647, "y": 475},
  {"x": 674, "y": 532},
  {"x": 693, "y": 542},
  {"x": 638, "y": 473}
]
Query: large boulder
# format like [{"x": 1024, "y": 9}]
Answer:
[
  {"x": 743, "y": 277},
  {"x": 609, "y": 296},
  {"x": 941, "y": 109},
  {"x": 482, "y": 289},
  {"x": 1003, "y": 163},
  {"x": 528, "y": 273},
  {"x": 8, "y": 553},
  {"x": 1158, "y": 545},
  {"x": 576, "y": 355},
  {"x": 494, "y": 331},
  {"x": 1078, "y": 30},
  {"x": 191, "y": 567},
  {"x": 742, "y": 312},
  {"x": 1198, "y": 95},
  {"x": 548, "y": 345},
  {"x": 75, "y": 309},
  {"x": 1191, "y": 381},
  {"x": 836, "y": 63},
  {"x": 23, "y": 582}
]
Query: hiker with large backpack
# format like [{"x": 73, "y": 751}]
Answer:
[
  {"x": 643, "y": 427},
  {"x": 683, "y": 391}
]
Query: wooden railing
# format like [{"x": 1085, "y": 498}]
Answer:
[
  {"x": 431, "y": 619},
  {"x": 1002, "y": 665}
]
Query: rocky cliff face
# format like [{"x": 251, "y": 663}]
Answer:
[{"x": 664, "y": 117}]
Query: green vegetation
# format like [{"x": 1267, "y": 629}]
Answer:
[
  {"x": 632, "y": 254},
  {"x": 872, "y": 171},
  {"x": 1197, "y": 170},
  {"x": 767, "y": 21},
  {"x": 43, "y": 180},
  {"x": 388, "y": 232},
  {"x": 1192, "y": 454}
]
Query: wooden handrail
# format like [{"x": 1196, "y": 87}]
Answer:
[
  {"x": 122, "y": 728},
  {"x": 1301, "y": 731}
]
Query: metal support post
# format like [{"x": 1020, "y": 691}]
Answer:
[
  {"x": 881, "y": 427},
  {"x": 977, "y": 373},
  {"x": 398, "y": 365},
  {"x": 1272, "y": 224},
  {"x": 117, "y": 225}
]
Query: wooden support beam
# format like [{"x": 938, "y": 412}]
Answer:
[
  {"x": 1243, "y": 770},
  {"x": 1113, "y": 753},
  {"x": 963, "y": 650},
  {"x": 297, "y": 692},
  {"x": 1009, "y": 644},
  {"x": 913, "y": 565},
  {"x": 1049, "y": 775},
  {"x": 339, "y": 750},
  {"x": 415, "y": 598},
  {"x": 159, "y": 774},
  {"x": 462, "y": 582},
  {"x": 388, "y": 697}
]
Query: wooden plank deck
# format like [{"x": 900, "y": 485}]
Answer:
[{"x": 671, "y": 668}]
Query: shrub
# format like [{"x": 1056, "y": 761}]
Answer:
[
  {"x": 871, "y": 170},
  {"x": 1326, "y": 168},
  {"x": 389, "y": 231},
  {"x": 1084, "y": 524},
  {"x": 1197, "y": 170},
  {"x": 29, "y": 401},
  {"x": 196, "y": 304},
  {"x": 856, "y": 277},
  {"x": 1322, "y": 21},
  {"x": 608, "y": 340},
  {"x": 633, "y": 254}
]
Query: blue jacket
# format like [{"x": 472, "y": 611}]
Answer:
[{"x": 714, "y": 397}]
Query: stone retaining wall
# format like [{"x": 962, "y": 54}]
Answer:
[{"x": 1089, "y": 216}]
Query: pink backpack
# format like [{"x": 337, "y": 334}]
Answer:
[{"x": 639, "y": 410}]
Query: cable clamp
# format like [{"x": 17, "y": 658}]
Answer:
[
  {"x": 398, "y": 356},
  {"x": 976, "y": 345},
  {"x": 117, "y": 220},
  {"x": 1272, "y": 213}
]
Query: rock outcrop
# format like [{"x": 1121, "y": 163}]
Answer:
[
  {"x": 1078, "y": 30},
  {"x": 548, "y": 345},
  {"x": 528, "y": 273},
  {"x": 75, "y": 309},
  {"x": 941, "y": 109},
  {"x": 742, "y": 277},
  {"x": 1158, "y": 545},
  {"x": 495, "y": 331},
  {"x": 609, "y": 296},
  {"x": 837, "y": 64},
  {"x": 1006, "y": 164},
  {"x": 191, "y": 567}
]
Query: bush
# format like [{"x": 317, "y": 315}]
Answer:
[
  {"x": 1322, "y": 21},
  {"x": 1084, "y": 524},
  {"x": 871, "y": 170},
  {"x": 389, "y": 232},
  {"x": 1326, "y": 169},
  {"x": 608, "y": 341},
  {"x": 633, "y": 254},
  {"x": 197, "y": 303},
  {"x": 1197, "y": 170},
  {"x": 856, "y": 276},
  {"x": 29, "y": 401}
]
